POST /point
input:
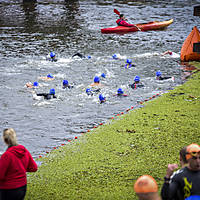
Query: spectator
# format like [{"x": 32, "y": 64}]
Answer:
[
  {"x": 14, "y": 164},
  {"x": 170, "y": 173},
  {"x": 146, "y": 188},
  {"x": 187, "y": 181}
]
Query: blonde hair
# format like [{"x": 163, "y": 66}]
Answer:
[{"x": 9, "y": 137}]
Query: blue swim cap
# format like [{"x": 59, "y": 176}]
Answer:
[
  {"x": 88, "y": 90},
  {"x": 101, "y": 97},
  {"x": 120, "y": 91},
  {"x": 114, "y": 56},
  {"x": 194, "y": 197},
  {"x": 96, "y": 79},
  {"x": 103, "y": 75},
  {"x": 158, "y": 73},
  {"x": 35, "y": 84},
  {"x": 137, "y": 78},
  {"x": 52, "y": 54},
  {"x": 49, "y": 76},
  {"x": 129, "y": 61},
  {"x": 65, "y": 82},
  {"x": 52, "y": 91},
  {"x": 89, "y": 57}
]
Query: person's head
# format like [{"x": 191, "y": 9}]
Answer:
[
  {"x": 129, "y": 61},
  {"x": 101, "y": 98},
  {"x": 114, "y": 56},
  {"x": 170, "y": 53},
  {"x": 182, "y": 154},
  {"x": 52, "y": 54},
  {"x": 158, "y": 73},
  {"x": 121, "y": 16},
  {"x": 52, "y": 91},
  {"x": 96, "y": 79},
  {"x": 88, "y": 91},
  {"x": 9, "y": 137},
  {"x": 49, "y": 76},
  {"x": 193, "y": 157},
  {"x": 146, "y": 188},
  {"x": 65, "y": 83},
  {"x": 103, "y": 75},
  {"x": 35, "y": 84},
  {"x": 120, "y": 91},
  {"x": 137, "y": 79}
]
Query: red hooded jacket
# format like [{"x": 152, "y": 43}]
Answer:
[
  {"x": 122, "y": 22},
  {"x": 14, "y": 164}
]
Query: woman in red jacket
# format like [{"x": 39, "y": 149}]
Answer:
[{"x": 14, "y": 164}]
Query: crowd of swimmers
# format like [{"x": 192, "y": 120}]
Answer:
[{"x": 95, "y": 87}]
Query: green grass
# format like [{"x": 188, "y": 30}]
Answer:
[{"x": 104, "y": 163}]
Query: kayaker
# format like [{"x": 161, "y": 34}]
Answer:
[
  {"x": 160, "y": 77},
  {"x": 52, "y": 57},
  {"x": 136, "y": 83},
  {"x": 66, "y": 85},
  {"x": 47, "y": 96},
  {"x": 122, "y": 22}
]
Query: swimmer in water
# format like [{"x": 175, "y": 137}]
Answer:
[
  {"x": 129, "y": 64},
  {"x": 46, "y": 96},
  {"x": 32, "y": 85},
  {"x": 80, "y": 56},
  {"x": 160, "y": 77},
  {"x": 91, "y": 92},
  {"x": 136, "y": 83},
  {"x": 102, "y": 99},
  {"x": 96, "y": 82},
  {"x": 52, "y": 57},
  {"x": 120, "y": 93},
  {"x": 66, "y": 85},
  {"x": 49, "y": 77}
]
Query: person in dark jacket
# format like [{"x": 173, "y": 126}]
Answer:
[
  {"x": 137, "y": 83},
  {"x": 66, "y": 85},
  {"x": 46, "y": 96},
  {"x": 14, "y": 163},
  {"x": 160, "y": 77}
]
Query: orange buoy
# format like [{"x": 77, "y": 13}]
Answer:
[{"x": 187, "y": 53}]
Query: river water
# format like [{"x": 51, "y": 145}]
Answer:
[{"x": 28, "y": 32}]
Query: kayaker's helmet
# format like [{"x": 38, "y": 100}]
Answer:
[
  {"x": 52, "y": 91},
  {"x": 52, "y": 54},
  {"x": 115, "y": 56},
  {"x": 137, "y": 79},
  {"x": 96, "y": 79},
  {"x": 65, "y": 82},
  {"x": 158, "y": 73},
  {"x": 120, "y": 91},
  {"x": 35, "y": 84},
  {"x": 103, "y": 75},
  {"x": 129, "y": 61},
  {"x": 49, "y": 76},
  {"x": 101, "y": 97}
]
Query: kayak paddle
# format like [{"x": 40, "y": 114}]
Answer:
[{"x": 116, "y": 11}]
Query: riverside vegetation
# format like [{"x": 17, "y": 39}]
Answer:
[{"x": 105, "y": 163}]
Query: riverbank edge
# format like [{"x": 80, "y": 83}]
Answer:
[{"x": 104, "y": 163}]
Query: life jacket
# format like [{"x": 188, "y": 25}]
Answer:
[{"x": 119, "y": 22}]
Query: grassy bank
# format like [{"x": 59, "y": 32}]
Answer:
[{"x": 104, "y": 163}]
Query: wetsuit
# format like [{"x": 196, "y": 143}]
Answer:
[
  {"x": 163, "y": 78},
  {"x": 121, "y": 22},
  {"x": 67, "y": 86},
  {"x": 79, "y": 55},
  {"x": 52, "y": 59},
  {"x": 47, "y": 96},
  {"x": 136, "y": 85},
  {"x": 187, "y": 182},
  {"x": 91, "y": 92}
]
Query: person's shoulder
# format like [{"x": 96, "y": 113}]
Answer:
[{"x": 177, "y": 174}]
